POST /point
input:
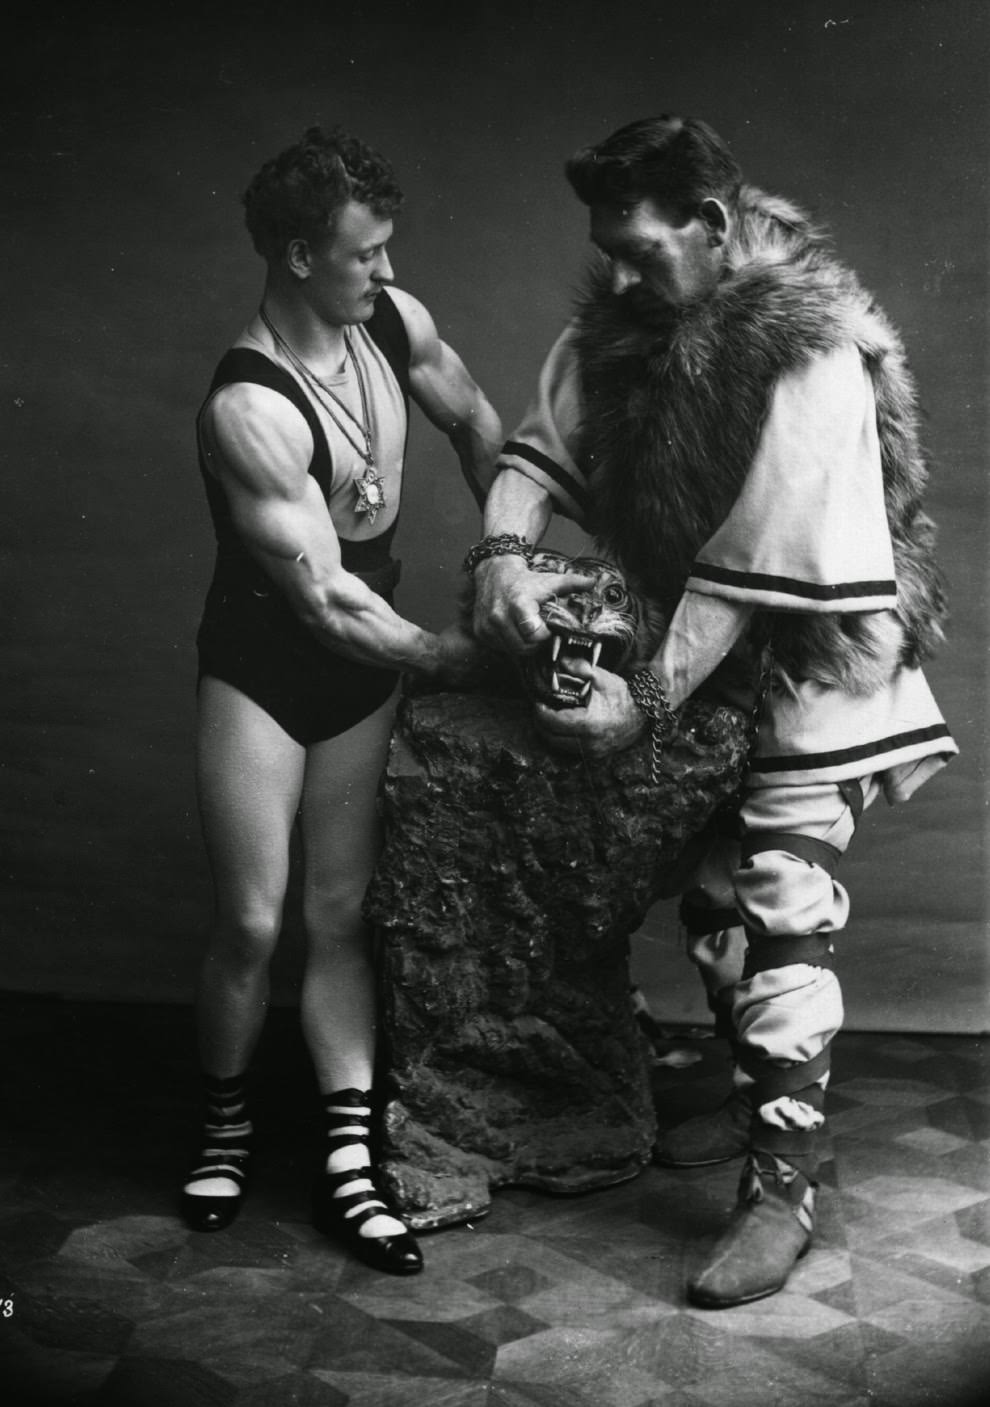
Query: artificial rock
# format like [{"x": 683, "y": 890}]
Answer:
[{"x": 510, "y": 883}]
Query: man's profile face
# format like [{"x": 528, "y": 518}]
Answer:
[
  {"x": 656, "y": 254},
  {"x": 349, "y": 271}
]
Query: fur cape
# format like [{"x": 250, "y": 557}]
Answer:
[{"x": 674, "y": 407}]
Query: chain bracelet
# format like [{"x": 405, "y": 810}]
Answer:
[
  {"x": 648, "y": 695},
  {"x": 497, "y": 545}
]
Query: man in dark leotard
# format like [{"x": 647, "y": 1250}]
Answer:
[{"x": 301, "y": 442}]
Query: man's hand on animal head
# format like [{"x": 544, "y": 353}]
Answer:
[
  {"x": 608, "y": 722},
  {"x": 507, "y": 610}
]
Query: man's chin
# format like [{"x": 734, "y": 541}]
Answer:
[{"x": 647, "y": 308}]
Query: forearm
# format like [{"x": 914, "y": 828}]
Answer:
[
  {"x": 349, "y": 618},
  {"x": 517, "y": 505},
  {"x": 701, "y": 633},
  {"x": 509, "y": 598}
]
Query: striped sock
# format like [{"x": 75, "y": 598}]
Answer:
[
  {"x": 348, "y": 1120},
  {"x": 226, "y": 1144}
]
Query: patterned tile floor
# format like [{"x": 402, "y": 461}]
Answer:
[{"x": 105, "y": 1299}]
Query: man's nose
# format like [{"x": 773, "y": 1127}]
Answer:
[
  {"x": 384, "y": 271},
  {"x": 623, "y": 276}
]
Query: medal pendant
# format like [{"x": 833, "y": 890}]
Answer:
[{"x": 370, "y": 490}]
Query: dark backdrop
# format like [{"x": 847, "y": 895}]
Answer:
[{"x": 128, "y": 138}]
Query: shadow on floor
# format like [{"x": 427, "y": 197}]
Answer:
[{"x": 106, "y": 1300}]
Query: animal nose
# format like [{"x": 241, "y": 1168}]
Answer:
[{"x": 582, "y": 609}]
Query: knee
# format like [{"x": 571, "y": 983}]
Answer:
[
  {"x": 808, "y": 996},
  {"x": 781, "y": 894},
  {"x": 246, "y": 938},
  {"x": 333, "y": 911}
]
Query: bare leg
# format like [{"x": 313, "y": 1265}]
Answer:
[
  {"x": 250, "y": 776},
  {"x": 341, "y": 833},
  {"x": 342, "y": 838}
]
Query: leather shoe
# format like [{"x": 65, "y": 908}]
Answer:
[
  {"x": 394, "y": 1255},
  {"x": 707, "y": 1139},
  {"x": 204, "y": 1212},
  {"x": 770, "y": 1231}
]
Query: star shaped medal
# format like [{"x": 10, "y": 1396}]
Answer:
[{"x": 370, "y": 490}]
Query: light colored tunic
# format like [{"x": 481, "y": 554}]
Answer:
[{"x": 808, "y": 532}]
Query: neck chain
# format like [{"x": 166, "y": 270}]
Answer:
[{"x": 370, "y": 487}]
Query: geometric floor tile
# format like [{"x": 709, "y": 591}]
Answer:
[
  {"x": 917, "y": 1198},
  {"x": 106, "y": 1299},
  {"x": 929, "y": 1140}
]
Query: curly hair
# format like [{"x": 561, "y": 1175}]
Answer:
[
  {"x": 298, "y": 194},
  {"x": 676, "y": 159}
]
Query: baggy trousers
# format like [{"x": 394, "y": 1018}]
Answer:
[{"x": 760, "y": 914}]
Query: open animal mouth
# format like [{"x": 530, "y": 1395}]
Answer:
[{"x": 565, "y": 690}]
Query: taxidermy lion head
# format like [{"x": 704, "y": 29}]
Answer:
[{"x": 607, "y": 624}]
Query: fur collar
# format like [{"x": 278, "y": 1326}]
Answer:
[{"x": 674, "y": 406}]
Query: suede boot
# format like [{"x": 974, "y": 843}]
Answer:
[
  {"x": 771, "y": 1230},
  {"x": 711, "y": 1138}
]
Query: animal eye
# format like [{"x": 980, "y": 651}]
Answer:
[{"x": 613, "y": 595}]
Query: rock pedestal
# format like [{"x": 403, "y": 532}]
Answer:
[{"x": 511, "y": 880}]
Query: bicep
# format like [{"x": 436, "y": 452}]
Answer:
[
  {"x": 261, "y": 453},
  {"x": 439, "y": 382},
  {"x": 443, "y": 388}
]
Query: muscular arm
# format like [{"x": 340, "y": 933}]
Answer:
[
  {"x": 518, "y": 505},
  {"x": 260, "y": 447},
  {"x": 445, "y": 392}
]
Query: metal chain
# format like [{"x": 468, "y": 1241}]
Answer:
[
  {"x": 648, "y": 695},
  {"x": 323, "y": 391},
  {"x": 497, "y": 545}
]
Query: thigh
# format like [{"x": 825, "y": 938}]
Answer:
[
  {"x": 819, "y": 810},
  {"x": 339, "y": 812},
  {"x": 794, "y": 837},
  {"x": 250, "y": 777}
]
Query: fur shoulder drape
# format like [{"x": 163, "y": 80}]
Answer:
[{"x": 674, "y": 405}]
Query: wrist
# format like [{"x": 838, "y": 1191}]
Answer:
[
  {"x": 424, "y": 659},
  {"x": 497, "y": 545}
]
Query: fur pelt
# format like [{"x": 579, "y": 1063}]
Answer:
[{"x": 674, "y": 405}]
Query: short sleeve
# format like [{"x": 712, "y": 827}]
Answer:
[
  {"x": 809, "y": 530},
  {"x": 544, "y": 443}
]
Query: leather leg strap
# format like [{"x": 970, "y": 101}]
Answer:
[
  {"x": 798, "y": 1147},
  {"x": 804, "y": 847},
  {"x": 797, "y": 1081},
  {"x": 721, "y": 1010},
  {"x": 768, "y": 951},
  {"x": 699, "y": 917}
]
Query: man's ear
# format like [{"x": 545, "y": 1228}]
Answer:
[
  {"x": 716, "y": 219},
  {"x": 297, "y": 258}
]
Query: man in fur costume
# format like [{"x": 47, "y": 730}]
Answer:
[{"x": 730, "y": 416}]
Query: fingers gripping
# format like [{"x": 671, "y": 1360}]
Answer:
[{"x": 509, "y": 608}]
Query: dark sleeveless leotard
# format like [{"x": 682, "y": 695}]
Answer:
[{"x": 249, "y": 636}]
